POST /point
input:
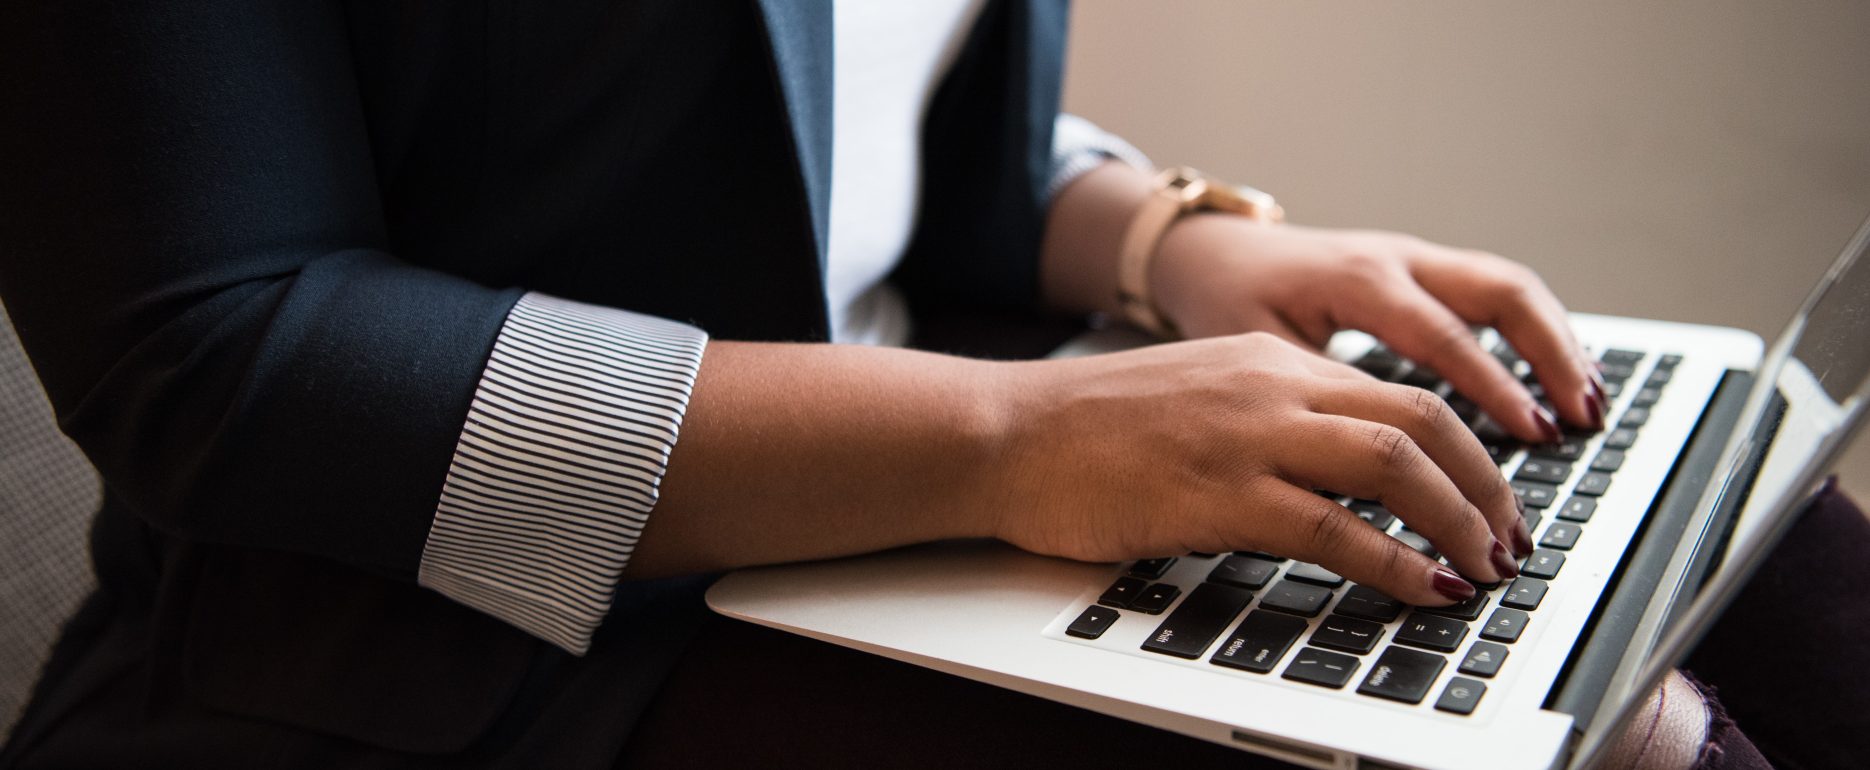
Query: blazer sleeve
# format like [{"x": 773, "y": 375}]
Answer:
[{"x": 195, "y": 256}]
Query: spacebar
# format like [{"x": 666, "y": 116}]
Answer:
[{"x": 1200, "y": 618}]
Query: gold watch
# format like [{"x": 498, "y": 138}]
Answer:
[{"x": 1180, "y": 191}]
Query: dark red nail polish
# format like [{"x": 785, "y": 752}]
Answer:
[
  {"x": 1450, "y": 585},
  {"x": 1503, "y": 561},
  {"x": 1546, "y": 426},
  {"x": 1595, "y": 407},
  {"x": 1522, "y": 538}
]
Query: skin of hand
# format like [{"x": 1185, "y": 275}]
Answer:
[
  {"x": 1216, "y": 444},
  {"x": 1221, "y": 274}
]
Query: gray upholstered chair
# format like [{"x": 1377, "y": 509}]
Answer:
[{"x": 48, "y": 496}]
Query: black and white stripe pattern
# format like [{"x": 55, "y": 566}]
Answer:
[
  {"x": 558, "y": 466},
  {"x": 1078, "y": 146}
]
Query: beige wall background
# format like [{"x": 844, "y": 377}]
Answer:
[{"x": 1694, "y": 161}]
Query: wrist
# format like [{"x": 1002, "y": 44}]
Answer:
[
  {"x": 1180, "y": 193},
  {"x": 1191, "y": 261}
]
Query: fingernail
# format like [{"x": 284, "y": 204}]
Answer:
[
  {"x": 1522, "y": 538},
  {"x": 1502, "y": 561},
  {"x": 1597, "y": 386},
  {"x": 1450, "y": 585},
  {"x": 1543, "y": 420},
  {"x": 1595, "y": 407}
]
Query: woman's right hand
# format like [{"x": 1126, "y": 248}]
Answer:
[{"x": 1216, "y": 445}]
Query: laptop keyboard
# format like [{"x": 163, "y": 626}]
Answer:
[{"x": 1369, "y": 641}]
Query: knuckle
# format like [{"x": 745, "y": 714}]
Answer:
[
  {"x": 1365, "y": 267},
  {"x": 1395, "y": 563},
  {"x": 1392, "y": 449},
  {"x": 1326, "y": 534},
  {"x": 1428, "y": 409}
]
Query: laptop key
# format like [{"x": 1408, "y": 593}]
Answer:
[
  {"x": 1483, "y": 659},
  {"x": 1578, "y": 509},
  {"x": 1422, "y": 377},
  {"x": 1373, "y": 513},
  {"x": 1415, "y": 540},
  {"x": 1594, "y": 484},
  {"x": 1262, "y": 555},
  {"x": 1535, "y": 469},
  {"x": 1322, "y": 668},
  {"x": 1431, "y": 631},
  {"x": 1194, "y": 624},
  {"x": 1647, "y": 397},
  {"x": 1312, "y": 573},
  {"x": 1369, "y": 604},
  {"x": 1621, "y": 438},
  {"x": 1542, "y": 564},
  {"x": 1258, "y": 643},
  {"x": 1122, "y": 592},
  {"x": 1156, "y": 598},
  {"x": 1402, "y": 675},
  {"x": 1561, "y": 536},
  {"x": 1379, "y": 363},
  {"x": 1612, "y": 390},
  {"x": 1608, "y": 461},
  {"x": 1296, "y": 598},
  {"x": 1505, "y": 625},
  {"x": 1347, "y": 634},
  {"x": 1092, "y": 623},
  {"x": 1623, "y": 357},
  {"x": 1151, "y": 569},
  {"x": 1568, "y": 450},
  {"x": 1634, "y": 417},
  {"x": 1535, "y": 494},
  {"x": 1461, "y": 695},
  {"x": 1659, "y": 378},
  {"x": 1243, "y": 572},
  {"x": 1669, "y": 361},
  {"x": 1617, "y": 372},
  {"x": 1466, "y": 609},
  {"x": 1524, "y": 594}
]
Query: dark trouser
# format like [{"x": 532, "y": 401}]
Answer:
[{"x": 1790, "y": 662}]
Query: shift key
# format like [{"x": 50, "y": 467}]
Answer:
[
  {"x": 1260, "y": 641},
  {"x": 1201, "y": 617}
]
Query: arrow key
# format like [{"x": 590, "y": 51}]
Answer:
[{"x": 1484, "y": 659}]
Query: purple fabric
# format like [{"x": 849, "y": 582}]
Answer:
[{"x": 1790, "y": 660}]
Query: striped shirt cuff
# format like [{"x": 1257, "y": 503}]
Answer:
[
  {"x": 558, "y": 467},
  {"x": 1078, "y": 146}
]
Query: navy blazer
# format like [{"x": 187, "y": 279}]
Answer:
[{"x": 259, "y": 250}]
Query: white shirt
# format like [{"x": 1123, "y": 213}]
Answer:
[{"x": 887, "y": 59}]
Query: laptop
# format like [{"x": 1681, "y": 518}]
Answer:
[{"x": 1644, "y": 531}]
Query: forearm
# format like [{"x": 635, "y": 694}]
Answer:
[
  {"x": 793, "y": 452},
  {"x": 1084, "y": 232}
]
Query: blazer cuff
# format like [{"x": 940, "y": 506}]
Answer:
[
  {"x": 558, "y": 466},
  {"x": 1078, "y": 146}
]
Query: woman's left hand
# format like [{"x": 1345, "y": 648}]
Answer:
[{"x": 1217, "y": 274}]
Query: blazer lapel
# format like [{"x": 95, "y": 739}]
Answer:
[{"x": 799, "y": 34}]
